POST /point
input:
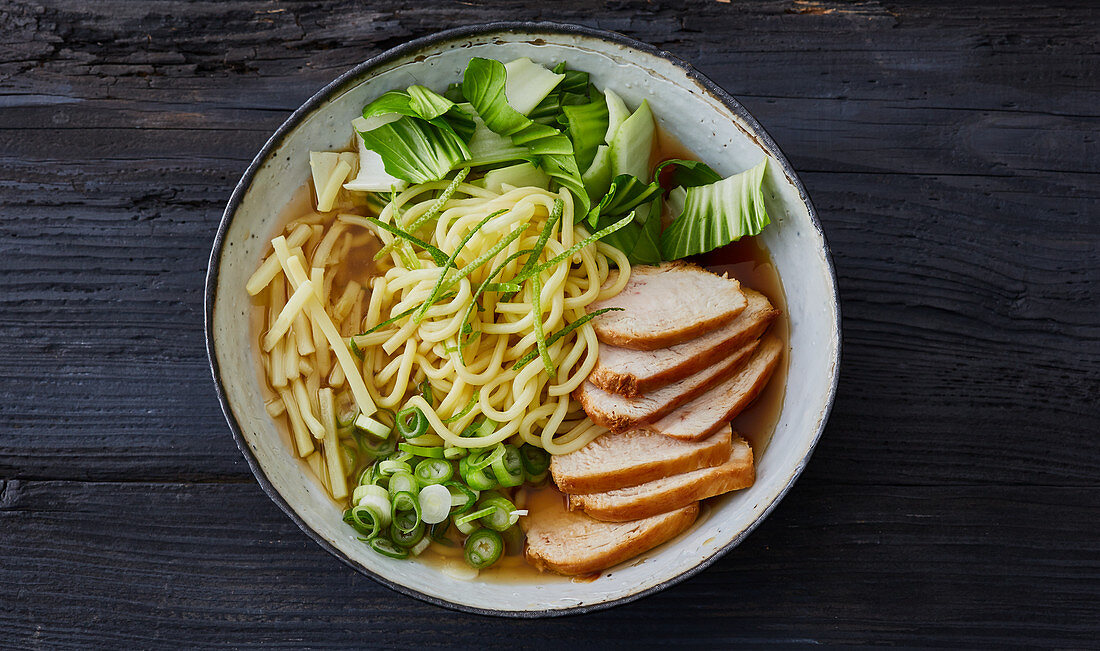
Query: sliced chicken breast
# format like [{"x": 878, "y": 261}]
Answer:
[
  {"x": 633, "y": 373},
  {"x": 670, "y": 493},
  {"x": 635, "y": 457},
  {"x": 666, "y": 305}
]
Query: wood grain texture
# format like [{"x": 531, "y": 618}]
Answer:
[
  {"x": 950, "y": 150},
  {"x": 107, "y": 564}
]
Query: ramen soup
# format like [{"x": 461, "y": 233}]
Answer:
[{"x": 431, "y": 318}]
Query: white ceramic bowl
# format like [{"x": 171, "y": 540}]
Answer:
[{"x": 706, "y": 120}]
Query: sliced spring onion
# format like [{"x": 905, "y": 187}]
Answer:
[
  {"x": 462, "y": 498},
  {"x": 483, "y": 548},
  {"x": 476, "y": 515},
  {"x": 374, "y": 428},
  {"x": 372, "y": 447},
  {"x": 346, "y": 409},
  {"x": 478, "y": 479},
  {"x": 485, "y": 457},
  {"x": 419, "y": 547},
  {"x": 508, "y": 467},
  {"x": 387, "y": 548},
  {"x": 427, "y": 441},
  {"x": 500, "y": 512},
  {"x": 435, "y": 502},
  {"x": 467, "y": 528},
  {"x": 411, "y": 422},
  {"x": 425, "y": 389},
  {"x": 453, "y": 453},
  {"x": 362, "y": 520},
  {"x": 403, "y": 482},
  {"x": 480, "y": 429},
  {"x": 438, "y": 532},
  {"x": 433, "y": 471},
  {"x": 535, "y": 460},
  {"x": 405, "y": 501},
  {"x": 377, "y": 500},
  {"x": 391, "y": 466},
  {"x": 421, "y": 450}
]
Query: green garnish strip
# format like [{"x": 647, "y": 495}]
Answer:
[
  {"x": 481, "y": 289},
  {"x": 488, "y": 255},
  {"x": 465, "y": 410},
  {"x": 536, "y": 314},
  {"x": 526, "y": 359},
  {"x": 568, "y": 253},
  {"x": 432, "y": 212},
  {"x": 438, "y": 256},
  {"x": 354, "y": 345},
  {"x": 450, "y": 263}
]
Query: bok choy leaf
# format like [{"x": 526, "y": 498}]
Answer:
[
  {"x": 716, "y": 213},
  {"x": 419, "y": 134},
  {"x": 639, "y": 239},
  {"x": 483, "y": 85}
]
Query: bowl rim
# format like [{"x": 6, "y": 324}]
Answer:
[{"x": 533, "y": 28}]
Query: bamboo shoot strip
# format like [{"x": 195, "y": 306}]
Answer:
[
  {"x": 270, "y": 267},
  {"x": 295, "y": 272},
  {"x": 305, "y": 408},
  {"x": 302, "y": 441},
  {"x": 338, "y": 483},
  {"x": 293, "y": 307}
]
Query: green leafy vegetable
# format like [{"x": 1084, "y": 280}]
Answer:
[
  {"x": 639, "y": 240},
  {"x": 528, "y": 84},
  {"x": 632, "y": 144},
  {"x": 587, "y": 124},
  {"x": 688, "y": 173},
  {"x": 414, "y": 150},
  {"x": 483, "y": 85},
  {"x": 715, "y": 214}
]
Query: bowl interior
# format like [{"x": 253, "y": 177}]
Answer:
[{"x": 684, "y": 107}]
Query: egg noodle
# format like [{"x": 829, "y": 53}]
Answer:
[{"x": 465, "y": 330}]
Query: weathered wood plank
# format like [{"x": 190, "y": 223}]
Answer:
[{"x": 152, "y": 564}]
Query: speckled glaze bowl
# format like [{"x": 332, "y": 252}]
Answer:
[{"x": 689, "y": 106}]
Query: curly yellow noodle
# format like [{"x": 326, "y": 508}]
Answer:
[{"x": 468, "y": 353}]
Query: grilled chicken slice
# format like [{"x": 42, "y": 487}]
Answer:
[
  {"x": 666, "y": 305},
  {"x": 705, "y": 414},
  {"x": 670, "y": 493},
  {"x": 619, "y": 413},
  {"x": 571, "y": 543},
  {"x": 635, "y": 457},
  {"x": 633, "y": 373}
]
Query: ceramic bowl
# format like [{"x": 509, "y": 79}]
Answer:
[{"x": 689, "y": 106}]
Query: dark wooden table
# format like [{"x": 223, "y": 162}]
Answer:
[{"x": 951, "y": 150}]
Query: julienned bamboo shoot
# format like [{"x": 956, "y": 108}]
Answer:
[
  {"x": 338, "y": 485},
  {"x": 295, "y": 272}
]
